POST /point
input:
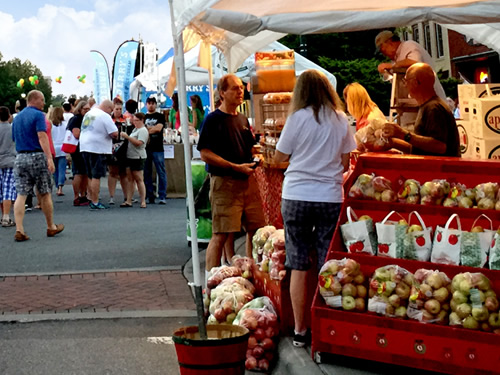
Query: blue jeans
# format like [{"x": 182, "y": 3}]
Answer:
[
  {"x": 159, "y": 160},
  {"x": 60, "y": 173}
]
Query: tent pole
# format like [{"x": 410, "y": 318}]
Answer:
[
  {"x": 181, "y": 86},
  {"x": 211, "y": 82}
]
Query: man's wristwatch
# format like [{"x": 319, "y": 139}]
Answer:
[{"x": 407, "y": 137}]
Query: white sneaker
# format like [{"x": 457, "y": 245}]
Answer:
[{"x": 111, "y": 201}]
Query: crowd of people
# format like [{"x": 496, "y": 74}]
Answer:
[
  {"x": 316, "y": 141},
  {"x": 33, "y": 160}
]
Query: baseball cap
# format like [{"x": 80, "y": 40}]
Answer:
[{"x": 383, "y": 37}]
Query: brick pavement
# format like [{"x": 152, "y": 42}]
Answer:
[{"x": 95, "y": 292}]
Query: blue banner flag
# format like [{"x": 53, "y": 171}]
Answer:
[
  {"x": 124, "y": 69},
  {"x": 101, "y": 77},
  {"x": 165, "y": 57}
]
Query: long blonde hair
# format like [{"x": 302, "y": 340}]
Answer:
[
  {"x": 358, "y": 101},
  {"x": 313, "y": 89}
]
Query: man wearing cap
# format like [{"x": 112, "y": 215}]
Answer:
[
  {"x": 436, "y": 131},
  {"x": 403, "y": 55},
  {"x": 155, "y": 123}
]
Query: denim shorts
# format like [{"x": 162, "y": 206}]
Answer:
[
  {"x": 95, "y": 164},
  {"x": 30, "y": 170},
  {"x": 309, "y": 226},
  {"x": 235, "y": 203},
  {"x": 7, "y": 185},
  {"x": 78, "y": 164}
]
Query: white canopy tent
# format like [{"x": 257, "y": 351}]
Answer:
[
  {"x": 240, "y": 27},
  {"x": 196, "y": 75}
]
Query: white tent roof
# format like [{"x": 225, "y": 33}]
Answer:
[
  {"x": 241, "y": 27},
  {"x": 199, "y": 76}
]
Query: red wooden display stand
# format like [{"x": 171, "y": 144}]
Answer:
[
  {"x": 403, "y": 342},
  {"x": 270, "y": 181}
]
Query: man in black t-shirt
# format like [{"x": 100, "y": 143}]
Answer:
[
  {"x": 225, "y": 144},
  {"x": 155, "y": 123}
]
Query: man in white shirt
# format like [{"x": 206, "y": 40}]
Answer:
[{"x": 95, "y": 144}]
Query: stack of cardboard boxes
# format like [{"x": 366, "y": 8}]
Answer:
[{"x": 479, "y": 126}]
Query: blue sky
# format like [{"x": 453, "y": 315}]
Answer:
[{"x": 57, "y": 35}]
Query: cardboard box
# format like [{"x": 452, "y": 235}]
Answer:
[
  {"x": 464, "y": 133},
  {"x": 485, "y": 118},
  {"x": 468, "y": 92},
  {"x": 485, "y": 148}
]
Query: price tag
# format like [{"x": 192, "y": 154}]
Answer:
[{"x": 168, "y": 151}]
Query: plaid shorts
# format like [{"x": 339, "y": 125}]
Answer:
[
  {"x": 31, "y": 170},
  {"x": 309, "y": 226},
  {"x": 7, "y": 185}
]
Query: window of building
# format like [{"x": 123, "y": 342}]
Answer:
[
  {"x": 416, "y": 36},
  {"x": 439, "y": 41},
  {"x": 427, "y": 38}
]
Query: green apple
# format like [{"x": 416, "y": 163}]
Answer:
[
  {"x": 463, "y": 310},
  {"x": 480, "y": 313},
  {"x": 348, "y": 303},
  {"x": 432, "y": 306},
  {"x": 364, "y": 217},
  {"x": 415, "y": 228},
  {"x": 400, "y": 312},
  {"x": 470, "y": 323},
  {"x": 459, "y": 297},
  {"x": 494, "y": 320},
  {"x": 441, "y": 294}
]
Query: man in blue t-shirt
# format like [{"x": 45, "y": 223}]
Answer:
[
  {"x": 34, "y": 165},
  {"x": 226, "y": 144}
]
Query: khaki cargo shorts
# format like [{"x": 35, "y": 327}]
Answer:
[{"x": 235, "y": 203}]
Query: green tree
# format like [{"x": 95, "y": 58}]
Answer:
[{"x": 11, "y": 72}]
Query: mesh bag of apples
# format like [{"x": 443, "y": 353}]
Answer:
[
  {"x": 227, "y": 299},
  {"x": 260, "y": 318},
  {"x": 342, "y": 284}
]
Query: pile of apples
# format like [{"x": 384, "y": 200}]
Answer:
[
  {"x": 373, "y": 187},
  {"x": 433, "y": 192},
  {"x": 409, "y": 192},
  {"x": 474, "y": 304},
  {"x": 430, "y": 299},
  {"x": 342, "y": 285},
  {"x": 389, "y": 292}
]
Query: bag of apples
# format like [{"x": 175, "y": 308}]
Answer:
[
  {"x": 418, "y": 240},
  {"x": 474, "y": 304},
  {"x": 486, "y": 195},
  {"x": 390, "y": 236},
  {"x": 342, "y": 284},
  {"x": 475, "y": 244},
  {"x": 446, "y": 244},
  {"x": 244, "y": 264},
  {"x": 430, "y": 299},
  {"x": 259, "y": 239},
  {"x": 409, "y": 192},
  {"x": 260, "y": 318},
  {"x": 227, "y": 299},
  {"x": 494, "y": 258},
  {"x": 389, "y": 291},
  {"x": 433, "y": 192},
  {"x": 363, "y": 187},
  {"x": 217, "y": 274},
  {"x": 359, "y": 234}
]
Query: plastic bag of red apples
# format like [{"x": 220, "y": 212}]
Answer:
[{"x": 260, "y": 318}]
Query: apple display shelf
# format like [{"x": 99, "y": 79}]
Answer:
[{"x": 433, "y": 347}]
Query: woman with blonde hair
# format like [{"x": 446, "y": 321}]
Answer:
[
  {"x": 317, "y": 142},
  {"x": 360, "y": 105},
  {"x": 56, "y": 118}
]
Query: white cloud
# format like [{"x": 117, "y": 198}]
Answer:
[{"x": 58, "y": 39}]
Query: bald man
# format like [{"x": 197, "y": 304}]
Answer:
[
  {"x": 435, "y": 127},
  {"x": 34, "y": 164},
  {"x": 96, "y": 135}
]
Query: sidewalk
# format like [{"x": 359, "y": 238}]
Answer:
[{"x": 103, "y": 294}]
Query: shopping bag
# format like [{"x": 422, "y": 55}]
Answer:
[
  {"x": 417, "y": 243},
  {"x": 120, "y": 150},
  {"x": 359, "y": 235},
  {"x": 475, "y": 246},
  {"x": 390, "y": 236},
  {"x": 70, "y": 143},
  {"x": 446, "y": 244},
  {"x": 494, "y": 258}
]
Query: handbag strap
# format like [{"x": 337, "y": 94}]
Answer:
[
  {"x": 390, "y": 214},
  {"x": 454, "y": 216},
  {"x": 479, "y": 217},
  {"x": 422, "y": 224}
]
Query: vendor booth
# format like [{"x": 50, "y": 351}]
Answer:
[{"x": 239, "y": 28}]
